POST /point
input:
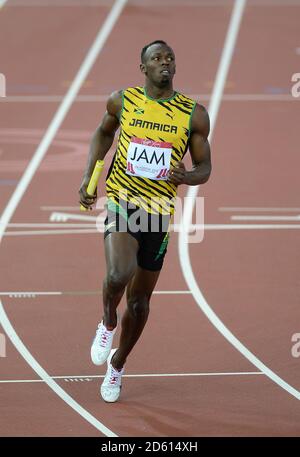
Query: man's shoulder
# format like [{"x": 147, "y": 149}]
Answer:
[
  {"x": 135, "y": 90},
  {"x": 114, "y": 103},
  {"x": 197, "y": 105},
  {"x": 185, "y": 98}
]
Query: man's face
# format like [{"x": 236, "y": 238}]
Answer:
[{"x": 159, "y": 64}]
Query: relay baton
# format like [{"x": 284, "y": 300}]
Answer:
[{"x": 94, "y": 180}]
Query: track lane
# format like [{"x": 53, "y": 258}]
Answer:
[{"x": 259, "y": 173}]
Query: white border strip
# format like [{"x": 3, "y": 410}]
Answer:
[
  {"x": 21, "y": 348},
  {"x": 16, "y": 197},
  {"x": 185, "y": 261}
]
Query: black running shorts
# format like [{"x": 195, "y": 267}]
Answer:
[{"x": 150, "y": 230}]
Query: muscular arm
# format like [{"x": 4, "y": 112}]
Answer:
[
  {"x": 199, "y": 150},
  {"x": 101, "y": 142}
]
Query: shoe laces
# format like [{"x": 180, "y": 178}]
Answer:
[
  {"x": 104, "y": 335},
  {"x": 115, "y": 376}
]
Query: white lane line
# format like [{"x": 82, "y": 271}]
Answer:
[
  {"x": 149, "y": 3},
  {"x": 60, "y": 225},
  {"x": 251, "y": 226},
  {"x": 21, "y": 348},
  {"x": 59, "y": 208},
  {"x": 2, "y": 3},
  {"x": 50, "y": 232},
  {"x": 257, "y": 209},
  {"x": 20, "y": 294},
  {"x": 103, "y": 98},
  {"x": 184, "y": 257},
  {"x": 146, "y": 375},
  {"x": 207, "y": 227},
  {"x": 172, "y": 292},
  {"x": 194, "y": 227},
  {"x": 29, "y": 294},
  {"x": 24, "y": 182},
  {"x": 265, "y": 218},
  {"x": 63, "y": 217}
]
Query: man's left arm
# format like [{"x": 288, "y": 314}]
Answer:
[{"x": 199, "y": 150}]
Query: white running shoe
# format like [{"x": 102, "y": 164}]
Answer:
[
  {"x": 111, "y": 386},
  {"x": 102, "y": 344}
]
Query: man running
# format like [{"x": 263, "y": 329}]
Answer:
[{"x": 158, "y": 126}]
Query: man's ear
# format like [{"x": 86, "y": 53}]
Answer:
[{"x": 143, "y": 68}]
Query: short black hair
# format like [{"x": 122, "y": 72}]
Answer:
[{"x": 143, "y": 52}]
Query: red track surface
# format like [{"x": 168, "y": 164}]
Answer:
[{"x": 249, "y": 277}]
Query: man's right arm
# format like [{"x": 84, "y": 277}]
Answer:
[{"x": 101, "y": 143}]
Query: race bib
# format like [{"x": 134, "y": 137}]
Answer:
[{"x": 148, "y": 159}]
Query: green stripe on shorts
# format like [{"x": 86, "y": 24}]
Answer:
[{"x": 163, "y": 246}]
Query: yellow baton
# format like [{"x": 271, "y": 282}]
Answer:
[{"x": 94, "y": 180}]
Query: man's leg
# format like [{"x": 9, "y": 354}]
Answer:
[
  {"x": 121, "y": 261},
  {"x": 139, "y": 292}
]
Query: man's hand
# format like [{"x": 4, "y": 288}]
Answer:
[
  {"x": 86, "y": 200},
  {"x": 177, "y": 174}
]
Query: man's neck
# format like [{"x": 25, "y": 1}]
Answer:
[{"x": 159, "y": 92}]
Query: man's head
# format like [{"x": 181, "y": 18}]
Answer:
[{"x": 158, "y": 63}]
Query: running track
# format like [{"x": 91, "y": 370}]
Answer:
[{"x": 246, "y": 267}]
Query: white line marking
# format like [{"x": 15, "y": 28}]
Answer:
[
  {"x": 149, "y": 3},
  {"x": 207, "y": 227},
  {"x": 23, "y": 184},
  {"x": 59, "y": 208},
  {"x": 258, "y": 98},
  {"x": 265, "y": 218},
  {"x": 194, "y": 227},
  {"x": 50, "y": 232},
  {"x": 147, "y": 375},
  {"x": 24, "y": 294},
  {"x": 175, "y": 292},
  {"x": 17, "y": 342},
  {"x": 62, "y": 225},
  {"x": 27, "y": 294},
  {"x": 253, "y": 209},
  {"x": 2, "y": 3},
  {"x": 63, "y": 217},
  {"x": 184, "y": 257},
  {"x": 103, "y": 98},
  {"x": 251, "y": 226}
]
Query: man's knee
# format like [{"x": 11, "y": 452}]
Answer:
[
  {"x": 138, "y": 305},
  {"x": 117, "y": 280}
]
